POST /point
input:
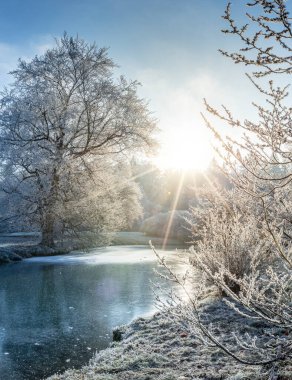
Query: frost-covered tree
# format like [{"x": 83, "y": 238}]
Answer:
[
  {"x": 63, "y": 125},
  {"x": 245, "y": 246}
]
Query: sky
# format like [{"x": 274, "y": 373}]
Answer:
[{"x": 170, "y": 46}]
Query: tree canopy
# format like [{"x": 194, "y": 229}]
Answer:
[{"x": 64, "y": 124}]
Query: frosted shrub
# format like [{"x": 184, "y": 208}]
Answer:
[
  {"x": 230, "y": 243},
  {"x": 245, "y": 245}
]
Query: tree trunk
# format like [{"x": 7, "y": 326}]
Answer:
[
  {"x": 48, "y": 217},
  {"x": 48, "y": 232}
]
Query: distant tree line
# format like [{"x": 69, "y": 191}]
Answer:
[{"x": 169, "y": 194}]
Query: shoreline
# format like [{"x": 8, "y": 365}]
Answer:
[
  {"x": 159, "y": 348},
  {"x": 14, "y": 248},
  {"x": 15, "y": 253}
]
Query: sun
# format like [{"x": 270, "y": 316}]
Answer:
[{"x": 186, "y": 148}]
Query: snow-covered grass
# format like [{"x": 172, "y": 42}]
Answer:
[{"x": 158, "y": 348}]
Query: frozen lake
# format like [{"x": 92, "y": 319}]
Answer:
[{"x": 55, "y": 312}]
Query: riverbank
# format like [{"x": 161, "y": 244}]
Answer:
[
  {"x": 14, "y": 253},
  {"x": 15, "y": 247},
  {"x": 18, "y": 246},
  {"x": 159, "y": 348}
]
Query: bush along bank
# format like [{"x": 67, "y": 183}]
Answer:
[{"x": 164, "y": 348}]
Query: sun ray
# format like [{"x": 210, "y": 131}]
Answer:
[{"x": 175, "y": 202}]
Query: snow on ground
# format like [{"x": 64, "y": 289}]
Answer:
[{"x": 157, "y": 348}]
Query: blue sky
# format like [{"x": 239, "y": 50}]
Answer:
[
  {"x": 170, "y": 46},
  {"x": 169, "y": 35}
]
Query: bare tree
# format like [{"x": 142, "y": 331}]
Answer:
[{"x": 63, "y": 124}]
